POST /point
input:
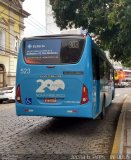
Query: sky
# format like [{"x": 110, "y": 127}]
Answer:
[{"x": 35, "y": 23}]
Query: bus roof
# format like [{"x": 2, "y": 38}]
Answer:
[{"x": 57, "y": 36}]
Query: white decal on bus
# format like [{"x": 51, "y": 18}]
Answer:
[{"x": 51, "y": 85}]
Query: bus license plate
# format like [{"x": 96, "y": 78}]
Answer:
[{"x": 50, "y": 100}]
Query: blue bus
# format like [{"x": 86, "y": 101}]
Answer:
[{"x": 63, "y": 76}]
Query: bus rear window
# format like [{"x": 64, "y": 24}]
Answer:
[{"x": 53, "y": 51}]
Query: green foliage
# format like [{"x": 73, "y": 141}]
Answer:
[{"x": 109, "y": 19}]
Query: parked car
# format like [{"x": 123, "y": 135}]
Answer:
[
  {"x": 124, "y": 84},
  {"x": 7, "y": 94}
]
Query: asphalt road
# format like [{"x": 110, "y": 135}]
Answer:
[{"x": 65, "y": 138}]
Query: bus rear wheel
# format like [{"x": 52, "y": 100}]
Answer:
[
  {"x": 102, "y": 115},
  {"x": 1, "y": 101}
]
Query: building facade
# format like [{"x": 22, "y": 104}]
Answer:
[{"x": 11, "y": 28}]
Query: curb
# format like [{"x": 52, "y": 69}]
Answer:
[{"x": 117, "y": 149}]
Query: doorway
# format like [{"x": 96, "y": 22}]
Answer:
[{"x": 2, "y": 76}]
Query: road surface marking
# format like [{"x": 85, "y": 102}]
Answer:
[
  {"x": 125, "y": 95},
  {"x": 117, "y": 95},
  {"x": 118, "y": 145}
]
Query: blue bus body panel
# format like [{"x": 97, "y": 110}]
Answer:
[
  {"x": 84, "y": 111},
  {"x": 61, "y": 82}
]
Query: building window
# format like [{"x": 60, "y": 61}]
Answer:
[
  {"x": 16, "y": 43},
  {"x": 2, "y": 41}
]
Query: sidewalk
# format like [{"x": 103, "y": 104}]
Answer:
[{"x": 122, "y": 142}]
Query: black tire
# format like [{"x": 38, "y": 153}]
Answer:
[
  {"x": 1, "y": 101},
  {"x": 102, "y": 115},
  {"x": 113, "y": 95}
]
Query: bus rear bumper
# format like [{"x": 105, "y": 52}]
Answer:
[{"x": 83, "y": 111}]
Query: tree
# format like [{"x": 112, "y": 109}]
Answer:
[{"x": 110, "y": 20}]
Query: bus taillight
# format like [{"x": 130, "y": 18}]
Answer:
[
  {"x": 84, "y": 98},
  {"x": 18, "y": 94}
]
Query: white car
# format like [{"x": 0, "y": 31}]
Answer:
[
  {"x": 7, "y": 94},
  {"x": 124, "y": 84}
]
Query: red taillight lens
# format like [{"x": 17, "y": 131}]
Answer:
[
  {"x": 18, "y": 95},
  {"x": 84, "y": 98}
]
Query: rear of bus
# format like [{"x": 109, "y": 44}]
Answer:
[{"x": 54, "y": 77}]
